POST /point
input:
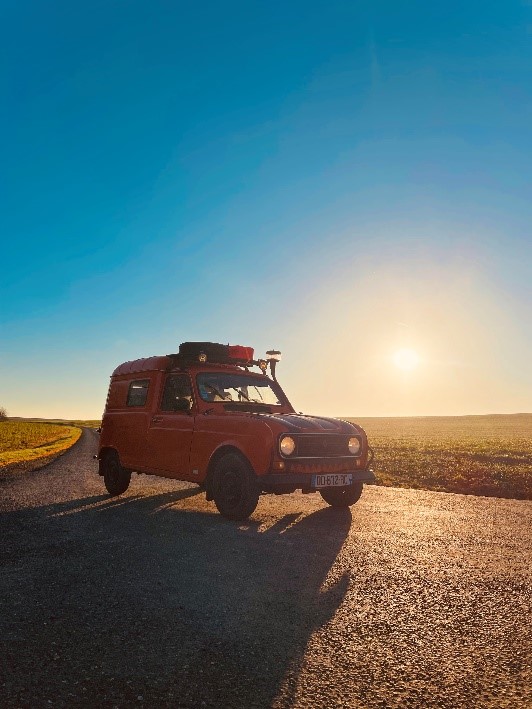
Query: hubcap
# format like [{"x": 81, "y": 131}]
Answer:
[
  {"x": 114, "y": 472},
  {"x": 231, "y": 488}
]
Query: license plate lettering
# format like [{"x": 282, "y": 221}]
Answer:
[{"x": 333, "y": 480}]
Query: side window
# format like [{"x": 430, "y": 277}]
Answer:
[
  {"x": 177, "y": 394},
  {"x": 137, "y": 392},
  {"x": 117, "y": 396}
]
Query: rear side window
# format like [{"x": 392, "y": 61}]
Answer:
[
  {"x": 137, "y": 392},
  {"x": 117, "y": 394}
]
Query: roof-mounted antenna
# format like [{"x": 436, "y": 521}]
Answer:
[{"x": 273, "y": 357}]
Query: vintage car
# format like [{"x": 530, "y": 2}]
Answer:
[{"x": 212, "y": 415}]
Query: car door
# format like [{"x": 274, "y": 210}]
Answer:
[
  {"x": 129, "y": 423},
  {"x": 171, "y": 428}
]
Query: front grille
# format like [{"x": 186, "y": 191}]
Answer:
[
  {"x": 309, "y": 467},
  {"x": 321, "y": 446}
]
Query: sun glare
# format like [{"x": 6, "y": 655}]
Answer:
[{"x": 405, "y": 359}]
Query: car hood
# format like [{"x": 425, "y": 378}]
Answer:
[{"x": 301, "y": 423}]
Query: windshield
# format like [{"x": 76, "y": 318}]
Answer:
[{"x": 222, "y": 386}]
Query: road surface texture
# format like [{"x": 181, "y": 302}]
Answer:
[{"x": 408, "y": 599}]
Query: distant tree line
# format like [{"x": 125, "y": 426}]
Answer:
[{"x": 3, "y": 413}]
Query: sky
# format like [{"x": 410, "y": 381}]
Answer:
[{"x": 341, "y": 181}]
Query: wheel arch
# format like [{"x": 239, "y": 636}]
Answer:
[
  {"x": 218, "y": 454},
  {"x": 103, "y": 453}
]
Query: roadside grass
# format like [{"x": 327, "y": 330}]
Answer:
[
  {"x": 30, "y": 444},
  {"x": 475, "y": 455}
]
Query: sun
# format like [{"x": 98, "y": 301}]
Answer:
[{"x": 406, "y": 359}]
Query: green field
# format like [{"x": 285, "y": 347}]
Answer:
[
  {"x": 478, "y": 455},
  {"x": 27, "y": 442},
  {"x": 90, "y": 423}
]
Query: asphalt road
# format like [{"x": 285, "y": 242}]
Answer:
[{"x": 408, "y": 599}]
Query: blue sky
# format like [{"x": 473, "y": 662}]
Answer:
[{"x": 315, "y": 176}]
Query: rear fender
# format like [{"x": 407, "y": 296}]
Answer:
[{"x": 102, "y": 454}]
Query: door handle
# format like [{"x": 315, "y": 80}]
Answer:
[{"x": 157, "y": 419}]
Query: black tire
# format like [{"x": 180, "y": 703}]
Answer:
[
  {"x": 236, "y": 489},
  {"x": 115, "y": 477},
  {"x": 342, "y": 496}
]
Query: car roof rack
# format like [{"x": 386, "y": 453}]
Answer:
[{"x": 216, "y": 353}]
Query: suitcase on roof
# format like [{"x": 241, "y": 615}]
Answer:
[
  {"x": 214, "y": 351},
  {"x": 240, "y": 353}
]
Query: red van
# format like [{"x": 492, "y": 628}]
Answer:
[{"x": 212, "y": 415}]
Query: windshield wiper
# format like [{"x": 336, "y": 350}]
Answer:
[{"x": 246, "y": 406}]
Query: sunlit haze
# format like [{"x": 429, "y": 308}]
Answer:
[
  {"x": 406, "y": 359},
  {"x": 346, "y": 182}
]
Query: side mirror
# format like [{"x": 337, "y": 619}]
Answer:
[{"x": 182, "y": 405}]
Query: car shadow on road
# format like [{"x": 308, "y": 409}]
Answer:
[{"x": 204, "y": 612}]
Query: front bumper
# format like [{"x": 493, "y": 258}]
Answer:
[{"x": 303, "y": 481}]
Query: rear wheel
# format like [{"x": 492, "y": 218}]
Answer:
[
  {"x": 115, "y": 477},
  {"x": 342, "y": 496},
  {"x": 236, "y": 490}
]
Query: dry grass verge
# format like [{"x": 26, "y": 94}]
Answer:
[{"x": 28, "y": 445}]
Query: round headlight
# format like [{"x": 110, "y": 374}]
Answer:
[
  {"x": 287, "y": 445},
  {"x": 354, "y": 445}
]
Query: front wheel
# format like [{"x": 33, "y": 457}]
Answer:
[
  {"x": 342, "y": 496},
  {"x": 236, "y": 490},
  {"x": 115, "y": 477}
]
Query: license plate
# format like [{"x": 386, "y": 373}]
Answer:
[{"x": 332, "y": 480}]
